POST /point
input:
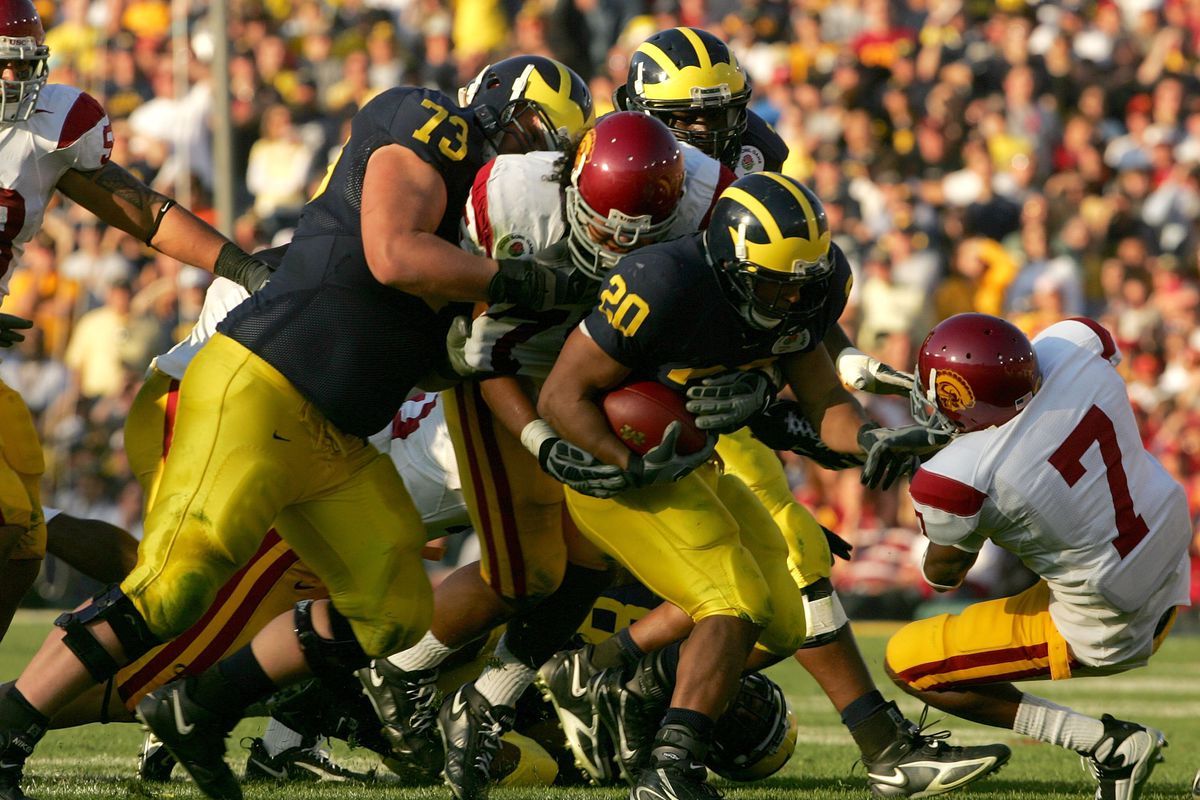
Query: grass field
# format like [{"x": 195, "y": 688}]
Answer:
[{"x": 98, "y": 762}]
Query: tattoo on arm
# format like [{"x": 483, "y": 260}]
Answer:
[{"x": 116, "y": 180}]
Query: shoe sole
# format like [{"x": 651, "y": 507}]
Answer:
[{"x": 594, "y": 769}]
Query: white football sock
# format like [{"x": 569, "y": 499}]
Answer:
[
  {"x": 425, "y": 654},
  {"x": 279, "y": 737},
  {"x": 1050, "y": 722},
  {"x": 505, "y": 678}
]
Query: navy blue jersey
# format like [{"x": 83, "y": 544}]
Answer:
[
  {"x": 763, "y": 150},
  {"x": 663, "y": 314},
  {"x": 351, "y": 345}
]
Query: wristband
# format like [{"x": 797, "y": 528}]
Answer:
[{"x": 536, "y": 434}]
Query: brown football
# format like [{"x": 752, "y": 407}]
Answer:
[{"x": 640, "y": 411}]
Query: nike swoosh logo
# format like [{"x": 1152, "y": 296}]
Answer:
[
  {"x": 302, "y": 586},
  {"x": 377, "y": 679},
  {"x": 180, "y": 724},
  {"x": 626, "y": 753},
  {"x": 13, "y": 765},
  {"x": 275, "y": 435},
  {"x": 895, "y": 779},
  {"x": 460, "y": 705},
  {"x": 274, "y": 773},
  {"x": 576, "y": 689}
]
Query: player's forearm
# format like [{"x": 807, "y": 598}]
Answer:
[
  {"x": 509, "y": 402},
  {"x": 425, "y": 265},
  {"x": 579, "y": 420},
  {"x": 184, "y": 236},
  {"x": 840, "y": 424}
]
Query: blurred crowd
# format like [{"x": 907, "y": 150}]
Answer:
[{"x": 1031, "y": 160}]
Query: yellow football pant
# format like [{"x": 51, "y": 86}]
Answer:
[
  {"x": 706, "y": 544},
  {"x": 759, "y": 468},
  {"x": 21, "y": 468},
  {"x": 248, "y": 449},
  {"x": 515, "y": 507}
]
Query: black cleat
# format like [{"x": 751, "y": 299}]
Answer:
[
  {"x": 920, "y": 764},
  {"x": 564, "y": 681},
  {"x": 155, "y": 762},
  {"x": 407, "y": 705},
  {"x": 628, "y": 721},
  {"x": 12, "y": 767},
  {"x": 194, "y": 735},
  {"x": 1122, "y": 761},
  {"x": 674, "y": 780},
  {"x": 300, "y": 763},
  {"x": 471, "y": 729}
]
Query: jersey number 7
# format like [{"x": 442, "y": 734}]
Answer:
[
  {"x": 1096, "y": 427},
  {"x": 456, "y": 150}
]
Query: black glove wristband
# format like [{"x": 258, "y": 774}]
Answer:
[
  {"x": 519, "y": 282},
  {"x": 242, "y": 268},
  {"x": 865, "y": 441}
]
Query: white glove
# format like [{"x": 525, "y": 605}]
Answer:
[{"x": 867, "y": 374}]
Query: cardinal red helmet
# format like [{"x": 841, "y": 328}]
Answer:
[
  {"x": 23, "y": 50},
  {"x": 626, "y": 183},
  {"x": 973, "y": 371}
]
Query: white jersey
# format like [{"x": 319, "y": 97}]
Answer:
[
  {"x": 223, "y": 296},
  {"x": 420, "y": 447},
  {"x": 1067, "y": 486},
  {"x": 68, "y": 129},
  {"x": 515, "y": 209}
]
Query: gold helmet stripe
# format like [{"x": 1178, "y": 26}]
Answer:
[
  {"x": 778, "y": 253},
  {"x": 660, "y": 58},
  {"x": 698, "y": 45},
  {"x": 801, "y": 198},
  {"x": 557, "y": 103}
]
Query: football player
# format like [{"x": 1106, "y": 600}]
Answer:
[
  {"x": 273, "y": 412},
  {"x": 691, "y": 81},
  {"x": 1048, "y": 463},
  {"x": 628, "y": 184},
  {"x": 56, "y": 137},
  {"x": 754, "y": 294}
]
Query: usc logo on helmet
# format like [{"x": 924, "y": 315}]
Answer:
[{"x": 953, "y": 392}]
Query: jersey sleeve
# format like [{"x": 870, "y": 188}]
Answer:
[
  {"x": 1087, "y": 334},
  {"x": 477, "y": 221},
  {"x": 760, "y": 135},
  {"x": 948, "y": 510},
  {"x": 840, "y": 284},
  {"x": 86, "y": 134},
  {"x": 636, "y": 311},
  {"x": 429, "y": 125}
]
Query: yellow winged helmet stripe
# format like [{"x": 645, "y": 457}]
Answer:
[
  {"x": 707, "y": 75},
  {"x": 779, "y": 253},
  {"x": 801, "y": 198},
  {"x": 557, "y": 102}
]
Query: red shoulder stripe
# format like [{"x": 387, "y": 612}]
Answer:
[
  {"x": 1106, "y": 340},
  {"x": 479, "y": 204},
  {"x": 82, "y": 117},
  {"x": 946, "y": 494}
]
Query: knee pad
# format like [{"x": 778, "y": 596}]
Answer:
[
  {"x": 329, "y": 659},
  {"x": 115, "y": 608},
  {"x": 824, "y": 616}
]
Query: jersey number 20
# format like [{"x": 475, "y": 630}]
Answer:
[{"x": 1098, "y": 428}]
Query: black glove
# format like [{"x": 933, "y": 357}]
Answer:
[
  {"x": 580, "y": 470},
  {"x": 783, "y": 427},
  {"x": 724, "y": 403},
  {"x": 10, "y": 327},
  {"x": 663, "y": 464},
  {"x": 837, "y": 545},
  {"x": 893, "y": 452},
  {"x": 242, "y": 268},
  {"x": 548, "y": 279}
]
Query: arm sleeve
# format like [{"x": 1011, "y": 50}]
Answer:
[{"x": 948, "y": 510}]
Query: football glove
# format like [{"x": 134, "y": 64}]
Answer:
[
  {"x": 456, "y": 346},
  {"x": 782, "y": 427},
  {"x": 837, "y": 545},
  {"x": 662, "y": 464},
  {"x": 546, "y": 280},
  {"x": 242, "y": 268},
  {"x": 11, "y": 327},
  {"x": 893, "y": 452},
  {"x": 867, "y": 374},
  {"x": 572, "y": 465},
  {"x": 724, "y": 403}
]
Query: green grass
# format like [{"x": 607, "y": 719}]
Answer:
[{"x": 97, "y": 762}]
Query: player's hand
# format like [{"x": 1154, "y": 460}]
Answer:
[
  {"x": 867, "y": 374},
  {"x": 782, "y": 427},
  {"x": 724, "y": 403},
  {"x": 548, "y": 279},
  {"x": 456, "y": 347},
  {"x": 837, "y": 545},
  {"x": 580, "y": 470},
  {"x": 11, "y": 327},
  {"x": 663, "y": 464},
  {"x": 893, "y": 452}
]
